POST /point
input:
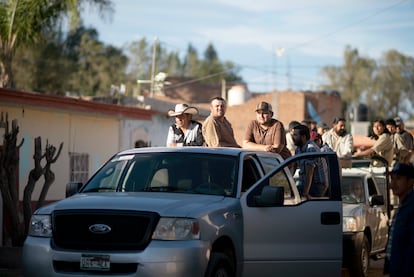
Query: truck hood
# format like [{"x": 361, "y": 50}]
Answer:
[
  {"x": 351, "y": 209},
  {"x": 166, "y": 204}
]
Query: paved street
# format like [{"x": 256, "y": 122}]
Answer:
[
  {"x": 10, "y": 265},
  {"x": 375, "y": 269}
]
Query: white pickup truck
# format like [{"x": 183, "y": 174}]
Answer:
[
  {"x": 190, "y": 211},
  {"x": 365, "y": 216}
]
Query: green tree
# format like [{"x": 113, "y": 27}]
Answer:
[
  {"x": 210, "y": 67},
  {"x": 78, "y": 63},
  {"x": 208, "y": 70},
  {"x": 216, "y": 70},
  {"x": 210, "y": 55},
  {"x": 191, "y": 62},
  {"x": 174, "y": 65},
  {"x": 386, "y": 85},
  {"x": 51, "y": 66},
  {"x": 232, "y": 73},
  {"x": 394, "y": 84},
  {"x": 353, "y": 79},
  {"x": 19, "y": 28},
  {"x": 45, "y": 66},
  {"x": 98, "y": 67},
  {"x": 139, "y": 59}
]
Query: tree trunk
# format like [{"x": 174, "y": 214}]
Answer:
[
  {"x": 6, "y": 74},
  {"x": 34, "y": 176},
  {"x": 9, "y": 161},
  {"x": 48, "y": 173}
]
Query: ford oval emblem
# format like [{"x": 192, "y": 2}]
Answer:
[{"x": 99, "y": 229}]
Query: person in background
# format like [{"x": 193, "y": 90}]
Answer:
[
  {"x": 340, "y": 141},
  {"x": 217, "y": 130},
  {"x": 306, "y": 123},
  {"x": 266, "y": 133},
  {"x": 290, "y": 144},
  {"x": 399, "y": 258},
  {"x": 322, "y": 128},
  {"x": 356, "y": 192},
  {"x": 383, "y": 145},
  {"x": 401, "y": 153},
  {"x": 313, "y": 125},
  {"x": 185, "y": 131},
  {"x": 312, "y": 182},
  {"x": 317, "y": 138},
  {"x": 407, "y": 137}
]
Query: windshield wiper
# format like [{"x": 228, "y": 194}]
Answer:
[
  {"x": 99, "y": 189},
  {"x": 160, "y": 189}
]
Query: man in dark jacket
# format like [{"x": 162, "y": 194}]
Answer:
[{"x": 400, "y": 248}]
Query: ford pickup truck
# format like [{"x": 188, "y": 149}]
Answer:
[
  {"x": 190, "y": 211},
  {"x": 366, "y": 217}
]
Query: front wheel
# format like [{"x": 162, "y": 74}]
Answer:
[
  {"x": 220, "y": 266},
  {"x": 360, "y": 262}
]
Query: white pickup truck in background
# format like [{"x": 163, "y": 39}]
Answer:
[{"x": 366, "y": 215}]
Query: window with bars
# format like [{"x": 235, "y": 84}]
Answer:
[{"x": 79, "y": 167}]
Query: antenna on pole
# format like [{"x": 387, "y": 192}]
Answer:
[{"x": 279, "y": 52}]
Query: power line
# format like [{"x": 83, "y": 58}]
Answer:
[
  {"x": 196, "y": 80},
  {"x": 346, "y": 26}
]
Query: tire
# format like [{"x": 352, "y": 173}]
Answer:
[
  {"x": 359, "y": 263},
  {"x": 220, "y": 266}
]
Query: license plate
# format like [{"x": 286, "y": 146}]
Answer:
[{"x": 95, "y": 262}]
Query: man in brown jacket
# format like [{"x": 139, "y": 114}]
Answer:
[{"x": 217, "y": 130}]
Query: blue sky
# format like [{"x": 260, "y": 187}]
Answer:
[{"x": 313, "y": 34}]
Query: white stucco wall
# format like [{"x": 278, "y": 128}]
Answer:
[
  {"x": 153, "y": 131},
  {"x": 98, "y": 136}
]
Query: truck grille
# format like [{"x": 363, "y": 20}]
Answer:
[{"x": 128, "y": 230}]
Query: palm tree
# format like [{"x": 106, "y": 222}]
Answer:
[{"x": 23, "y": 22}]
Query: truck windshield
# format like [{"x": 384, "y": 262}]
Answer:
[
  {"x": 353, "y": 190},
  {"x": 168, "y": 172}
]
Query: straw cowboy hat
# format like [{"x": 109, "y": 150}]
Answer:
[{"x": 182, "y": 108}]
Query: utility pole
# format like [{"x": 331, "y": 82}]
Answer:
[
  {"x": 152, "y": 79},
  {"x": 288, "y": 73},
  {"x": 154, "y": 53}
]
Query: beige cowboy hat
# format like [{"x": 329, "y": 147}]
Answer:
[{"x": 182, "y": 108}]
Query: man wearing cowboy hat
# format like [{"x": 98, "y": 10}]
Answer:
[{"x": 185, "y": 131}]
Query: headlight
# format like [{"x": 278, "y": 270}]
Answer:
[
  {"x": 40, "y": 226},
  {"x": 170, "y": 228},
  {"x": 349, "y": 224}
]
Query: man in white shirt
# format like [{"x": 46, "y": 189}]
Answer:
[{"x": 340, "y": 141}]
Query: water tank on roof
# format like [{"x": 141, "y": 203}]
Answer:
[
  {"x": 237, "y": 95},
  {"x": 362, "y": 112},
  {"x": 359, "y": 112}
]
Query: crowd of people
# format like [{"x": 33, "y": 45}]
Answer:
[{"x": 265, "y": 133}]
